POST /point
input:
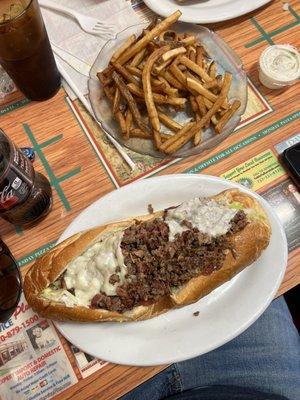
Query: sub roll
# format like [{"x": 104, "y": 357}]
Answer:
[{"x": 139, "y": 268}]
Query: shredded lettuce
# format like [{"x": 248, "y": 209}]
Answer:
[{"x": 236, "y": 205}]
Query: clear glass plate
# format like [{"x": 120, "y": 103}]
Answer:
[{"x": 217, "y": 49}]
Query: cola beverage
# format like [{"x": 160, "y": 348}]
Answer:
[
  {"x": 10, "y": 283},
  {"x": 25, "y": 51},
  {"x": 25, "y": 195}
]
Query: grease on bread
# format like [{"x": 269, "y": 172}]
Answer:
[{"x": 248, "y": 245}]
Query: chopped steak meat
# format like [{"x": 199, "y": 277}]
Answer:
[
  {"x": 238, "y": 222},
  {"x": 114, "y": 278},
  {"x": 155, "y": 265}
]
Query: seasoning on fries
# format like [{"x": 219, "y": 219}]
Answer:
[{"x": 151, "y": 77}]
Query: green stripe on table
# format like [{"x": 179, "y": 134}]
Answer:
[
  {"x": 35, "y": 254},
  {"x": 243, "y": 143},
  {"x": 54, "y": 180},
  {"x": 68, "y": 175},
  {"x": 268, "y": 36},
  {"x": 51, "y": 141},
  {"x": 264, "y": 34}
]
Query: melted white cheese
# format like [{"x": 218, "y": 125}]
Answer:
[
  {"x": 89, "y": 273},
  {"x": 62, "y": 296},
  {"x": 209, "y": 216}
]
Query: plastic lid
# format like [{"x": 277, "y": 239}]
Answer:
[{"x": 279, "y": 66}]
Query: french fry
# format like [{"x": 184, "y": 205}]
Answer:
[
  {"x": 214, "y": 120},
  {"x": 225, "y": 117},
  {"x": 123, "y": 71},
  {"x": 202, "y": 108},
  {"x": 209, "y": 103},
  {"x": 188, "y": 40},
  {"x": 138, "y": 133},
  {"x": 103, "y": 79},
  {"x": 142, "y": 43},
  {"x": 173, "y": 53},
  {"x": 212, "y": 70},
  {"x": 220, "y": 100},
  {"x": 130, "y": 101},
  {"x": 128, "y": 121},
  {"x": 182, "y": 140},
  {"x": 168, "y": 89},
  {"x": 169, "y": 122},
  {"x": 137, "y": 59},
  {"x": 146, "y": 80},
  {"x": 116, "y": 102},
  {"x": 201, "y": 105},
  {"x": 119, "y": 115},
  {"x": 195, "y": 68},
  {"x": 177, "y": 135},
  {"x": 151, "y": 47},
  {"x": 178, "y": 74},
  {"x": 156, "y": 83},
  {"x": 195, "y": 107},
  {"x": 193, "y": 104},
  {"x": 212, "y": 84},
  {"x": 192, "y": 53},
  {"x": 159, "y": 68},
  {"x": 222, "y": 112},
  {"x": 158, "y": 98},
  {"x": 123, "y": 48},
  {"x": 199, "y": 56},
  {"x": 157, "y": 138},
  {"x": 172, "y": 80},
  {"x": 197, "y": 137},
  {"x": 134, "y": 71},
  {"x": 122, "y": 122},
  {"x": 197, "y": 87}
]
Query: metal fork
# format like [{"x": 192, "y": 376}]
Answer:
[{"x": 88, "y": 24}]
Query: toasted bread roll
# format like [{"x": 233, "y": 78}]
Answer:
[{"x": 248, "y": 244}]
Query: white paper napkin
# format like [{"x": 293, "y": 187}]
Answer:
[{"x": 66, "y": 33}]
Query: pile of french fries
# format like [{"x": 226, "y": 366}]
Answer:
[{"x": 162, "y": 71}]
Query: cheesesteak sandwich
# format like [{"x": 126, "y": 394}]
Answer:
[{"x": 142, "y": 267}]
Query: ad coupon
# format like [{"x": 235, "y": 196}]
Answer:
[
  {"x": 256, "y": 172},
  {"x": 33, "y": 363}
]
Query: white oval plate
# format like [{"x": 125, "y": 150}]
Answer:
[
  {"x": 178, "y": 335},
  {"x": 205, "y": 11}
]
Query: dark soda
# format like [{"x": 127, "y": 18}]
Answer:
[
  {"x": 10, "y": 283},
  {"x": 25, "y": 51},
  {"x": 25, "y": 195}
]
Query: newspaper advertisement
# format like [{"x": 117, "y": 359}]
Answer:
[
  {"x": 86, "y": 363},
  {"x": 285, "y": 199},
  {"x": 33, "y": 362}
]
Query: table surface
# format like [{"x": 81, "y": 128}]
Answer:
[{"x": 82, "y": 165}]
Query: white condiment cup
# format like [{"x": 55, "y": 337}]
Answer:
[{"x": 279, "y": 66}]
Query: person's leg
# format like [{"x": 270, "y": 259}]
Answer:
[
  {"x": 265, "y": 357},
  {"x": 162, "y": 385}
]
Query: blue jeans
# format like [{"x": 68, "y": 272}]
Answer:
[{"x": 265, "y": 357}]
